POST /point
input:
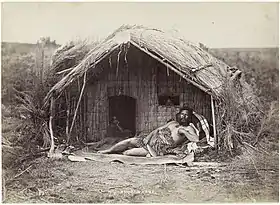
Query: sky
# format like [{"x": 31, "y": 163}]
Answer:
[{"x": 217, "y": 25}]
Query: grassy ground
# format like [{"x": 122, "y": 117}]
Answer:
[
  {"x": 251, "y": 177},
  {"x": 61, "y": 181}
]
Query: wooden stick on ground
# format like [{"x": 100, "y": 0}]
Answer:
[
  {"x": 18, "y": 175},
  {"x": 21, "y": 173}
]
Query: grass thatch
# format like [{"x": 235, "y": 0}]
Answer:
[
  {"x": 182, "y": 55},
  {"x": 71, "y": 54}
]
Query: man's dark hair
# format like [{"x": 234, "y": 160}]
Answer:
[
  {"x": 190, "y": 110},
  {"x": 190, "y": 114}
]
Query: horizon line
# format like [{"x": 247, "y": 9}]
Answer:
[{"x": 233, "y": 47}]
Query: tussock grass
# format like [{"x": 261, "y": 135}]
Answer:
[{"x": 242, "y": 118}]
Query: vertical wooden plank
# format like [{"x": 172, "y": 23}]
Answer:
[
  {"x": 139, "y": 79},
  {"x": 99, "y": 113},
  {"x": 95, "y": 111},
  {"x": 78, "y": 123},
  {"x": 90, "y": 109},
  {"x": 149, "y": 100},
  {"x": 105, "y": 109},
  {"x": 85, "y": 111}
]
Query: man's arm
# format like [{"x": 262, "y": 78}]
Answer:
[
  {"x": 166, "y": 125},
  {"x": 189, "y": 132},
  {"x": 161, "y": 127}
]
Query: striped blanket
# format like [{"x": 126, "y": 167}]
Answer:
[{"x": 205, "y": 127}]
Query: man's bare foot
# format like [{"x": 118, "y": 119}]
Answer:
[{"x": 106, "y": 151}]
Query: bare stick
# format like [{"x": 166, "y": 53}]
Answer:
[
  {"x": 214, "y": 122},
  {"x": 50, "y": 126},
  {"x": 23, "y": 172},
  {"x": 255, "y": 149},
  {"x": 63, "y": 71},
  {"x": 201, "y": 67},
  {"x": 117, "y": 187},
  {"x": 75, "y": 114},
  {"x": 67, "y": 114},
  {"x": 250, "y": 157}
]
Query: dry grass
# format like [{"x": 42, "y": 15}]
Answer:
[
  {"x": 71, "y": 54},
  {"x": 242, "y": 118}
]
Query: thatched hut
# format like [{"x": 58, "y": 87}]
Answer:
[{"x": 140, "y": 75}]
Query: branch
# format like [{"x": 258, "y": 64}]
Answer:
[
  {"x": 200, "y": 68},
  {"x": 22, "y": 172},
  {"x": 73, "y": 121},
  {"x": 66, "y": 70},
  {"x": 50, "y": 127}
]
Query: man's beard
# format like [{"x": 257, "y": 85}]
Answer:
[{"x": 184, "y": 121}]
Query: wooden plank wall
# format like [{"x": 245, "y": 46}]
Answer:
[
  {"x": 141, "y": 77},
  {"x": 188, "y": 94}
]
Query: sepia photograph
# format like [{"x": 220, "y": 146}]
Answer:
[{"x": 139, "y": 102}]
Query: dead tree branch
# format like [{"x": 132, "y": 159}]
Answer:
[{"x": 76, "y": 110}]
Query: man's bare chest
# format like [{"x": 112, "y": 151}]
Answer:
[{"x": 178, "y": 138}]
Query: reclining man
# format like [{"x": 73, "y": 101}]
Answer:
[{"x": 161, "y": 141}]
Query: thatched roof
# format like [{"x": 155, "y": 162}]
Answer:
[
  {"x": 183, "y": 57},
  {"x": 71, "y": 54}
]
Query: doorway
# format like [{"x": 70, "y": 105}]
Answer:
[{"x": 124, "y": 109}]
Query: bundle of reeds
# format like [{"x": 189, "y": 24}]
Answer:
[{"x": 239, "y": 116}]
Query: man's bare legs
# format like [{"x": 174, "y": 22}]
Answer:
[
  {"x": 140, "y": 152},
  {"x": 121, "y": 146}
]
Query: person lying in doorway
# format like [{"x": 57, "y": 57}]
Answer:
[
  {"x": 114, "y": 134},
  {"x": 163, "y": 140},
  {"x": 116, "y": 124},
  {"x": 115, "y": 130}
]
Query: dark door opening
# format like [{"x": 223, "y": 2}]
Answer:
[{"x": 124, "y": 109}]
